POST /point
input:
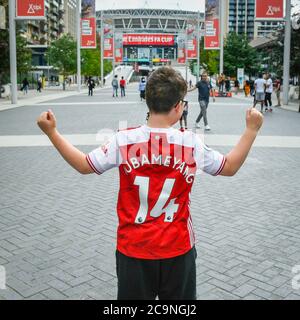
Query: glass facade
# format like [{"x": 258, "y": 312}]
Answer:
[{"x": 241, "y": 17}]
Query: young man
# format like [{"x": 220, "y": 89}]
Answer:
[
  {"x": 269, "y": 91},
  {"x": 122, "y": 86},
  {"x": 260, "y": 87},
  {"x": 115, "y": 86},
  {"x": 204, "y": 89},
  {"x": 157, "y": 166},
  {"x": 277, "y": 90}
]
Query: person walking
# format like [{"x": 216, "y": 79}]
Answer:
[
  {"x": 91, "y": 86},
  {"x": 142, "y": 88},
  {"x": 122, "y": 86},
  {"x": 252, "y": 89},
  {"x": 227, "y": 85},
  {"x": 247, "y": 88},
  {"x": 115, "y": 85},
  {"x": 25, "y": 86},
  {"x": 236, "y": 86},
  {"x": 260, "y": 87},
  {"x": 190, "y": 84},
  {"x": 277, "y": 87},
  {"x": 204, "y": 90},
  {"x": 269, "y": 91},
  {"x": 39, "y": 84},
  {"x": 184, "y": 116}
]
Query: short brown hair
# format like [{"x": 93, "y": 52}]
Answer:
[{"x": 164, "y": 89}]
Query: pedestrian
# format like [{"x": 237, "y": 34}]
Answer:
[
  {"x": 236, "y": 86},
  {"x": 247, "y": 88},
  {"x": 204, "y": 90},
  {"x": 142, "y": 88},
  {"x": 260, "y": 87},
  {"x": 115, "y": 85},
  {"x": 25, "y": 86},
  {"x": 221, "y": 83},
  {"x": 155, "y": 251},
  {"x": 39, "y": 84},
  {"x": 70, "y": 81},
  {"x": 227, "y": 85},
  {"x": 269, "y": 91},
  {"x": 122, "y": 86},
  {"x": 184, "y": 115},
  {"x": 252, "y": 89},
  {"x": 190, "y": 83},
  {"x": 277, "y": 87},
  {"x": 91, "y": 86}
]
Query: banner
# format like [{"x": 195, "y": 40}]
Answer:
[
  {"x": 108, "y": 39},
  {"x": 181, "y": 39},
  {"x": 269, "y": 10},
  {"x": 148, "y": 39},
  {"x": 212, "y": 25},
  {"x": 118, "y": 47},
  {"x": 191, "y": 42},
  {"x": 88, "y": 24},
  {"x": 30, "y": 9}
]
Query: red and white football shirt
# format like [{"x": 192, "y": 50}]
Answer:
[{"x": 157, "y": 169}]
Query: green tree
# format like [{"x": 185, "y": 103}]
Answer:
[
  {"x": 239, "y": 54},
  {"x": 62, "y": 55},
  {"x": 209, "y": 60}
]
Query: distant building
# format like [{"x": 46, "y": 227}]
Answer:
[{"x": 241, "y": 20}]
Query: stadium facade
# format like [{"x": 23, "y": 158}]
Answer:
[{"x": 151, "y": 35}]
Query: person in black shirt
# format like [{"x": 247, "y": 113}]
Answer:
[{"x": 204, "y": 89}]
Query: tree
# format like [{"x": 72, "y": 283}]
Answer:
[
  {"x": 62, "y": 55},
  {"x": 209, "y": 60},
  {"x": 239, "y": 54}
]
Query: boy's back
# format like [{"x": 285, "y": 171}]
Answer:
[{"x": 157, "y": 169}]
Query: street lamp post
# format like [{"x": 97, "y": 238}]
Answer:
[
  {"x": 13, "y": 51},
  {"x": 78, "y": 9},
  {"x": 287, "y": 52}
]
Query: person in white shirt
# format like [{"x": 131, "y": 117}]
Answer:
[
  {"x": 260, "y": 87},
  {"x": 268, "y": 95}
]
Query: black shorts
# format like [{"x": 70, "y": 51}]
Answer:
[{"x": 167, "y": 279}]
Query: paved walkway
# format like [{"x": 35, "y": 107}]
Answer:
[{"x": 58, "y": 228}]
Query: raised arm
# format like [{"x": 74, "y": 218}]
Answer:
[
  {"x": 192, "y": 89},
  {"x": 236, "y": 157},
  {"x": 77, "y": 159}
]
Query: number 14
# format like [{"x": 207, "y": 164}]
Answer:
[{"x": 158, "y": 209}]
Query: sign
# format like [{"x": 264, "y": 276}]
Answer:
[
  {"x": 148, "y": 39},
  {"x": 118, "y": 47},
  {"x": 212, "y": 39},
  {"x": 108, "y": 48},
  {"x": 269, "y": 9},
  {"x": 241, "y": 77},
  {"x": 88, "y": 24},
  {"x": 88, "y": 33},
  {"x": 212, "y": 25},
  {"x": 30, "y": 9},
  {"x": 192, "y": 49}
]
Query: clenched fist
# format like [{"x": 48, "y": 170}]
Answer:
[
  {"x": 47, "y": 122},
  {"x": 254, "y": 119}
]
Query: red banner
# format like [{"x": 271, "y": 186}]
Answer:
[
  {"x": 148, "y": 39},
  {"x": 181, "y": 55},
  {"x": 33, "y": 9},
  {"x": 119, "y": 55},
  {"x": 88, "y": 33},
  {"x": 212, "y": 39},
  {"x": 269, "y": 9},
  {"x": 192, "y": 49},
  {"x": 108, "y": 48}
]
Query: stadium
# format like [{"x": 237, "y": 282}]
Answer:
[{"x": 148, "y": 35}]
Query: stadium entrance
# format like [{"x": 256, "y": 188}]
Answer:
[{"x": 148, "y": 50}]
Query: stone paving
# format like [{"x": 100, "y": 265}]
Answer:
[{"x": 58, "y": 228}]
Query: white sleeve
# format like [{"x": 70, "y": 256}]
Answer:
[
  {"x": 105, "y": 157},
  {"x": 207, "y": 159}
]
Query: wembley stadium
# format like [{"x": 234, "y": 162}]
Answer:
[{"x": 147, "y": 34}]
